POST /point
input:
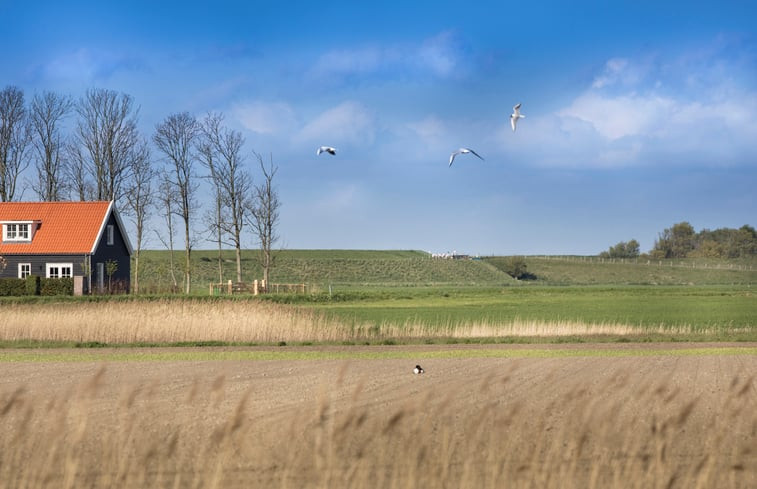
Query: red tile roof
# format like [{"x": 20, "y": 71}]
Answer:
[{"x": 66, "y": 227}]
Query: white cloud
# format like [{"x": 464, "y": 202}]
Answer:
[
  {"x": 621, "y": 116},
  {"x": 266, "y": 117},
  {"x": 89, "y": 65},
  {"x": 347, "y": 123},
  {"x": 640, "y": 113},
  {"x": 430, "y": 130},
  {"x": 621, "y": 72},
  {"x": 439, "y": 56}
]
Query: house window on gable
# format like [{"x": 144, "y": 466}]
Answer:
[
  {"x": 24, "y": 270},
  {"x": 110, "y": 235},
  {"x": 59, "y": 270},
  {"x": 17, "y": 232}
]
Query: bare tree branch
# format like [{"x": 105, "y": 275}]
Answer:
[
  {"x": 265, "y": 215},
  {"x": 220, "y": 151},
  {"x": 15, "y": 136},
  {"x": 107, "y": 130},
  {"x": 140, "y": 199},
  {"x": 175, "y": 138},
  {"x": 47, "y": 113}
]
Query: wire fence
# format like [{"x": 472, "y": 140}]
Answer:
[{"x": 670, "y": 263}]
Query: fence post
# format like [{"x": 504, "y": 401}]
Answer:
[{"x": 231, "y": 290}]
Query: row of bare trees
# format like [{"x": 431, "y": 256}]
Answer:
[{"x": 101, "y": 155}]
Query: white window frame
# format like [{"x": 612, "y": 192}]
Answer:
[
  {"x": 59, "y": 267},
  {"x": 110, "y": 234},
  {"x": 21, "y": 270},
  {"x": 17, "y": 232}
]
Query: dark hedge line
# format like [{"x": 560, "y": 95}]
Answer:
[{"x": 33, "y": 285}]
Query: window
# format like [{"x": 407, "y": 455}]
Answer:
[
  {"x": 24, "y": 270},
  {"x": 100, "y": 276},
  {"x": 110, "y": 235},
  {"x": 17, "y": 231},
  {"x": 59, "y": 270}
]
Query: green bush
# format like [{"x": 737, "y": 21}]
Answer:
[
  {"x": 12, "y": 287},
  {"x": 56, "y": 286},
  {"x": 32, "y": 285}
]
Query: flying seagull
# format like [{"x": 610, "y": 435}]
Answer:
[
  {"x": 461, "y": 151},
  {"x": 326, "y": 149},
  {"x": 418, "y": 370},
  {"x": 515, "y": 116}
]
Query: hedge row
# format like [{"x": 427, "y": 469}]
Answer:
[{"x": 33, "y": 285}]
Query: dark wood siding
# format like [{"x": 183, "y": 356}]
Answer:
[
  {"x": 117, "y": 252},
  {"x": 39, "y": 262}
]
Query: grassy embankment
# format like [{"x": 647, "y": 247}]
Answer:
[{"x": 347, "y": 270}]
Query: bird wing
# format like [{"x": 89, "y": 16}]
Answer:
[
  {"x": 320, "y": 150},
  {"x": 475, "y": 153},
  {"x": 516, "y": 108},
  {"x": 513, "y": 120},
  {"x": 452, "y": 157}
]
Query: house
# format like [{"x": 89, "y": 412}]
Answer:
[{"x": 66, "y": 239}]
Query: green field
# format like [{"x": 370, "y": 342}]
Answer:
[{"x": 699, "y": 308}]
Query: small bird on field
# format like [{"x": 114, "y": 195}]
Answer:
[
  {"x": 461, "y": 151},
  {"x": 326, "y": 149},
  {"x": 418, "y": 370},
  {"x": 515, "y": 116}
]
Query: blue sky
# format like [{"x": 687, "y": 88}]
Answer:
[{"x": 639, "y": 114}]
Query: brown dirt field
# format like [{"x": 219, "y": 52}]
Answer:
[{"x": 631, "y": 421}]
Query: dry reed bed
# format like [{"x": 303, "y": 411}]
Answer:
[
  {"x": 249, "y": 322},
  {"x": 674, "y": 441}
]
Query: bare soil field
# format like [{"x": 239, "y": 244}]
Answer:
[{"x": 655, "y": 415}]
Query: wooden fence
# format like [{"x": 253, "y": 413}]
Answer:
[{"x": 255, "y": 287}]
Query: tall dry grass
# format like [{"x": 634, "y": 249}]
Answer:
[
  {"x": 675, "y": 441},
  {"x": 252, "y": 322}
]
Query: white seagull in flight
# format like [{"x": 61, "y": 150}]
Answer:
[
  {"x": 515, "y": 116},
  {"x": 326, "y": 149},
  {"x": 461, "y": 151}
]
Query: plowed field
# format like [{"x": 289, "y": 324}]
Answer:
[{"x": 662, "y": 415}]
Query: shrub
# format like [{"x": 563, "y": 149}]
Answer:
[
  {"x": 12, "y": 287},
  {"x": 56, "y": 286},
  {"x": 32, "y": 285},
  {"x": 516, "y": 267}
]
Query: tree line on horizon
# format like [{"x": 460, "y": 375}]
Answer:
[
  {"x": 101, "y": 155},
  {"x": 682, "y": 241}
]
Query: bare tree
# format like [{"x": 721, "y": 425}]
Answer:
[
  {"x": 166, "y": 201},
  {"x": 76, "y": 173},
  {"x": 140, "y": 198},
  {"x": 265, "y": 215},
  {"x": 209, "y": 157},
  {"x": 107, "y": 130},
  {"x": 47, "y": 113},
  {"x": 15, "y": 135},
  {"x": 175, "y": 137},
  {"x": 220, "y": 150}
]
